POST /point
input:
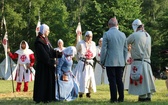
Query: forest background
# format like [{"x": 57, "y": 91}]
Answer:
[{"x": 62, "y": 16}]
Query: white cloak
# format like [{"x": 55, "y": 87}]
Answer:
[{"x": 100, "y": 73}]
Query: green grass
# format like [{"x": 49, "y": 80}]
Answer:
[{"x": 101, "y": 97}]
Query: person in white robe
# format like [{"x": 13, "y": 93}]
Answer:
[
  {"x": 86, "y": 51},
  {"x": 26, "y": 59},
  {"x": 100, "y": 71},
  {"x": 127, "y": 69},
  {"x": 140, "y": 42}
]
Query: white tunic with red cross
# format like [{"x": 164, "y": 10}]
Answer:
[{"x": 23, "y": 73}]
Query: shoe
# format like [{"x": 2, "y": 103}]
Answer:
[
  {"x": 111, "y": 101},
  {"x": 148, "y": 99},
  {"x": 88, "y": 95},
  {"x": 141, "y": 99},
  {"x": 120, "y": 101},
  {"x": 80, "y": 95},
  {"x": 144, "y": 99}
]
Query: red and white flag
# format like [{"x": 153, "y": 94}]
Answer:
[
  {"x": 38, "y": 27},
  {"x": 79, "y": 32},
  {"x": 5, "y": 42},
  {"x": 5, "y": 45}
]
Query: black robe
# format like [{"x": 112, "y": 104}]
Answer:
[{"x": 44, "y": 84}]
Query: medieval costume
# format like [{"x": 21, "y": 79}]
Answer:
[
  {"x": 140, "y": 42},
  {"x": 127, "y": 70},
  {"x": 84, "y": 73},
  {"x": 100, "y": 71},
  {"x": 44, "y": 84},
  {"x": 66, "y": 87},
  {"x": 25, "y": 57}
]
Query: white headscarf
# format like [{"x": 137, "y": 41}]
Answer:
[
  {"x": 24, "y": 51},
  {"x": 43, "y": 28},
  {"x": 89, "y": 33},
  {"x": 71, "y": 50},
  {"x": 60, "y": 40},
  {"x": 101, "y": 39},
  {"x": 135, "y": 24}
]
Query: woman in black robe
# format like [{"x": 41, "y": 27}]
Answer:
[{"x": 44, "y": 84}]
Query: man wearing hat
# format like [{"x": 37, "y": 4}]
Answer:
[
  {"x": 113, "y": 57},
  {"x": 141, "y": 52},
  {"x": 86, "y": 51}
]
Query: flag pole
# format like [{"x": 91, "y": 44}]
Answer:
[{"x": 11, "y": 74}]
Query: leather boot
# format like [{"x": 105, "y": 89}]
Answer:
[
  {"x": 18, "y": 87},
  {"x": 80, "y": 95},
  {"x": 25, "y": 87},
  {"x": 88, "y": 95}
]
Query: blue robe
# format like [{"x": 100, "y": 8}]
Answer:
[{"x": 65, "y": 90}]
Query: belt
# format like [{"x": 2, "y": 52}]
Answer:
[
  {"x": 85, "y": 61},
  {"x": 100, "y": 64},
  {"x": 141, "y": 60}
]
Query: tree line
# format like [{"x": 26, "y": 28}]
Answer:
[{"x": 62, "y": 16}]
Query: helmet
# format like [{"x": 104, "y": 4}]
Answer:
[{"x": 135, "y": 24}]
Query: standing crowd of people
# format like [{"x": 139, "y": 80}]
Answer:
[{"x": 117, "y": 64}]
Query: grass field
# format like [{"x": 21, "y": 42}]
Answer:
[{"x": 101, "y": 97}]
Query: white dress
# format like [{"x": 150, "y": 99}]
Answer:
[
  {"x": 85, "y": 75},
  {"x": 100, "y": 73},
  {"x": 127, "y": 70}
]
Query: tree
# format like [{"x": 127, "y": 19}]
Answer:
[{"x": 98, "y": 13}]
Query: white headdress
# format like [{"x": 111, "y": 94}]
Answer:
[
  {"x": 43, "y": 28},
  {"x": 101, "y": 39},
  {"x": 71, "y": 50},
  {"x": 60, "y": 40},
  {"x": 135, "y": 24},
  {"x": 89, "y": 33}
]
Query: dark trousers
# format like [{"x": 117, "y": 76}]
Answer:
[{"x": 115, "y": 75}]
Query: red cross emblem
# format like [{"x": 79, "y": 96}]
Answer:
[
  {"x": 78, "y": 33},
  {"x": 134, "y": 69},
  {"x": 38, "y": 29},
  {"x": 4, "y": 41},
  {"x": 23, "y": 58},
  {"x": 129, "y": 60}
]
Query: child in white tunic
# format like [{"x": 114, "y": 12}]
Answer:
[{"x": 25, "y": 62}]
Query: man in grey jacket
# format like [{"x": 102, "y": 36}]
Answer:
[{"x": 113, "y": 57}]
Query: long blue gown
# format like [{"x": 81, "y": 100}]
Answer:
[{"x": 65, "y": 90}]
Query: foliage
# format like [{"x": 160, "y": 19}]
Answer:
[
  {"x": 98, "y": 13},
  {"x": 62, "y": 16}
]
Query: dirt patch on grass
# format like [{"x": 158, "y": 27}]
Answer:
[{"x": 16, "y": 94}]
